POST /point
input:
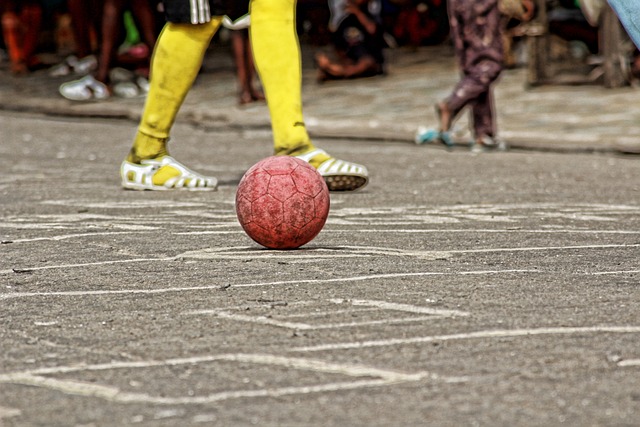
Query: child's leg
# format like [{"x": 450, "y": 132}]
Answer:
[
  {"x": 143, "y": 14},
  {"x": 464, "y": 92},
  {"x": 473, "y": 87},
  {"x": 483, "y": 115},
  {"x": 242, "y": 68},
  {"x": 176, "y": 61}
]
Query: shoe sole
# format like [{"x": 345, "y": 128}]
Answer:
[{"x": 345, "y": 182}]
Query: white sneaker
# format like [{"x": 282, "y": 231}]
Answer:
[
  {"x": 74, "y": 65},
  {"x": 140, "y": 176},
  {"x": 339, "y": 175},
  {"x": 85, "y": 89}
]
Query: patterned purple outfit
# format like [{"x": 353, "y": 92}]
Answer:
[{"x": 475, "y": 29}]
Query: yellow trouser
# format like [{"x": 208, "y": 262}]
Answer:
[{"x": 177, "y": 59}]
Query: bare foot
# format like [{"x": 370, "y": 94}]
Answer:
[
  {"x": 245, "y": 98},
  {"x": 257, "y": 95}
]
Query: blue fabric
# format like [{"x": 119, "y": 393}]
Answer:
[{"x": 629, "y": 13}]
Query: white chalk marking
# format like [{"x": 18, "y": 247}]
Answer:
[
  {"x": 630, "y": 362},
  {"x": 326, "y": 313},
  {"x": 129, "y": 204},
  {"x": 113, "y": 394},
  {"x": 252, "y": 285},
  {"x": 542, "y": 248},
  {"x": 408, "y": 308},
  {"x": 373, "y": 304},
  {"x": 89, "y": 264},
  {"x": 77, "y": 235},
  {"x": 300, "y": 363},
  {"x": 366, "y": 251},
  {"x": 505, "y": 333},
  {"x": 374, "y": 377},
  {"x": 486, "y": 213},
  {"x": 477, "y": 230},
  {"x": 51, "y": 323},
  {"x": 602, "y": 273},
  {"x": 263, "y": 320},
  {"x": 9, "y": 412}
]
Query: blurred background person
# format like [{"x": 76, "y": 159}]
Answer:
[
  {"x": 106, "y": 80},
  {"x": 357, "y": 39},
  {"x": 21, "y": 22}
]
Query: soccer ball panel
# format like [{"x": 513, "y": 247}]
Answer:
[
  {"x": 280, "y": 165},
  {"x": 255, "y": 184},
  {"x": 267, "y": 211},
  {"x": 243, "y": 210},
  {"x": 282, "y": 187},
  {"x": 306, "y": 182},
  {"x": 299, "y": 210}
]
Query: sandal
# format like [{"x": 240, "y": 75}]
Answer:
[
  {"x": 339, "y": 175},
  {"x": 163, "y": 174},
  {"x": 85, "y": 89}
]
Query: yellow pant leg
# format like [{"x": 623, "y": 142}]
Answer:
[
  {"x": 176, "y": 62},
  {"x": 277, "y": 56}
]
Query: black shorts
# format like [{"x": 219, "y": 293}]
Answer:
[{"x": 201, "y": 11}]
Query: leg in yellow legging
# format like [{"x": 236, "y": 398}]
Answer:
[
  {"x": 176, "y": 61},
  {"x": 277, "y": 56}
]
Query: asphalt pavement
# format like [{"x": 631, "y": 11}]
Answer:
[{"x": 456, "y": 289}]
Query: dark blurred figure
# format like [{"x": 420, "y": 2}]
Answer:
[
  {"x": 357, "y": 37},
  {"x": 86, "y": 23},
  {"x": 421, "y": 22},
  {"x": 21, "y": 23},
  {"x": 86, "y": 20},
  {"x": 245, "y": 67},
  {"x": 242, "y": 54},
  {"x": 311, "y": 21},
  {"x": 567, "y": 21}
]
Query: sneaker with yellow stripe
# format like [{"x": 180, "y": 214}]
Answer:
[
  {"x": 164, "y": 173},
  {"x": 340, "y": 175}
]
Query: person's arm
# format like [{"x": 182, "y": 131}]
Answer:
[{"x": 369, "y": 24}]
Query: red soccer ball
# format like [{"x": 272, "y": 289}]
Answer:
[{"x": 282, "y": 202}]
